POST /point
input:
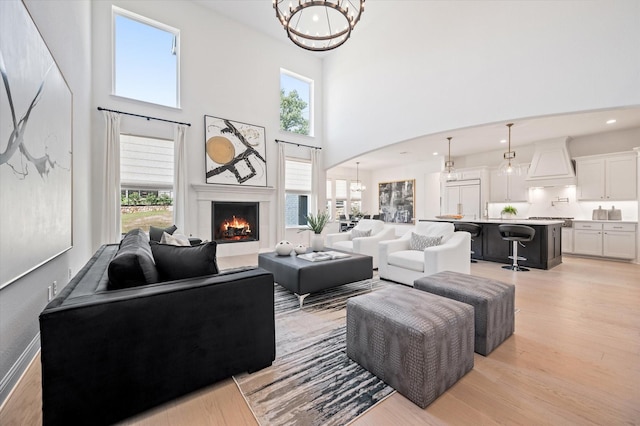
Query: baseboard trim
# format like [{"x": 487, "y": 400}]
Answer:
[{"x": 17, "y": 370}]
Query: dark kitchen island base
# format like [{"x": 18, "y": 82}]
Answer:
[{"x": 543, "y": 252}]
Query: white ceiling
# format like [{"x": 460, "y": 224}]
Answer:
[{"x": 260, "y": 15}]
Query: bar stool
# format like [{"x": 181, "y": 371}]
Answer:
[
  {"x": 517, "y": 234},
  {"x": 471, "y": 228}
]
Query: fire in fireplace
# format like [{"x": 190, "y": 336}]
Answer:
[{"x": 234, "y": 221}]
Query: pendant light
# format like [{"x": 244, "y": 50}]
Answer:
[
  {"x": 509, "y": 167},
  {"x": 449, "y": 172},
  {"x": 358, "y": 186}
]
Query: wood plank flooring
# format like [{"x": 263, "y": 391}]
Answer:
[{"x": 574, "y": 359}]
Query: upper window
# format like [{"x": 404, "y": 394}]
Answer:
[
  {"x": 146, "y": 59},
  {"x": 296, "y": 100}
]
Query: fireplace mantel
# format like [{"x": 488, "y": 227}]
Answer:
[
  {"x": 206, "y": 193},
  {"x": 213, "y": 192}
]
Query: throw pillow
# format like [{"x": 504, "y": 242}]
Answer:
[
  {"x": 175, "y": 239},
  {"x": 421, "y": 242},
  {"x": 133, "y": 264},
  {"x": 355, "y": 233},
  {"x": 155, "y": 233},
  {"x": 180, "y": 262}
]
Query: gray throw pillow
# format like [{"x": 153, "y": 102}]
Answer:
[
  {"x": 133, "y": 264},
  {"x": 421, "y": 242},
  {"x": 155, "y": 233},
  {"x": 358, "y": 234}
]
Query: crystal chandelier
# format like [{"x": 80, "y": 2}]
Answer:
[
  {"x": 357, "y": 185},
  {"x": 449, "y": 172},
  {"x": 509, "y": 166},
  {"x": 318, "y": 25}
]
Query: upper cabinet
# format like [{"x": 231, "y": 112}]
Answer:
[
  {"x": 511, "y": 188},
  {"x": 607, "y": 177}
]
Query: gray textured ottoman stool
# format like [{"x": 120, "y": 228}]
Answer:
[
  {"x": 492, "y": 300},
  {"x": 418, "y": 343}
]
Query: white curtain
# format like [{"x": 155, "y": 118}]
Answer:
[
  {"x": 316, "y": 182},
  {"x": 280, "y": 225},
  {"x": 111, "y": 231},
  {"x": 180, "y": 183}
]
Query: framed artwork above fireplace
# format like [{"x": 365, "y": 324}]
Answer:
[{"x": 235, "y": 152}]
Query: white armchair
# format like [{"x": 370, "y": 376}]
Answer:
[
  {"x": 348, "y": 241},
  {"x": 397, "y": 262}
]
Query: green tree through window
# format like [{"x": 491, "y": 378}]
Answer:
[{"x": 291, "y": 117}]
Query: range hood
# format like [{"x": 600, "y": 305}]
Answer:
[{"x": 551, "y": 164}]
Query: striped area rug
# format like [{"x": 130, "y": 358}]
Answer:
[{"x": 312, "y": 381}]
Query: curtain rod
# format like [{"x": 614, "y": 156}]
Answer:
[
  {"x": 299, "y": 144},
  {"x": 143, "y": 116}
]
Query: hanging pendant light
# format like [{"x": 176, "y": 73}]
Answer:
[
  {"x": 449, "y": 172},
  {"x": 357, "y": 185},
  {"x": 508, "y": 166}
]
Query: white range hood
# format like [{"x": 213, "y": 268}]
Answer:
[{"x": 551, "y": 164}]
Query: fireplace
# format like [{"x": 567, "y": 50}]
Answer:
[{"x": 233, "y": 222}]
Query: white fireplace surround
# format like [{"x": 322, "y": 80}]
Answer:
[{"x": 206, "y": 193}]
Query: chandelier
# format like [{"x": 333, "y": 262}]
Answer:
[
  {"x": 357, "y": 185},
  {"x": 449, "y": 172},
  {"x": 318, "y": 25},
  {"x": 508, "y": 165}
]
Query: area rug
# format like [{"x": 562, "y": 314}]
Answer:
[{"x": 312, "y": 381}]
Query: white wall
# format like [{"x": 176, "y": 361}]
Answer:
[
  {"x": 447, "y": 65},
  {"x": 66, "y": 29},
  {"x": 227, "y": 70}
]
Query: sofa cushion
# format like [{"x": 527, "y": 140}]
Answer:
[
  {"x": 175, "y": 239},
  {"x": 133, "y": 264},
  {"x": 370, "y": 224},
  {"x": 180, "y": 262},
  {"x": 356, "y": 233},
  {"x": 407, "y": 259},
  {"x": 436, "y": 229},
  {"x": 343, "y": 246},
  {"x": 421, "y": 242},
  {"x": 155, "y": 233}
]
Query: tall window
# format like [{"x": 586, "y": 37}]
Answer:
[
  {"x": 296, "y": 103},
  {"x": 297, "y": 192},
  {"x": 341, "y": 197},
  {"x": 146, "y": 182},
  {"x": 145, "y": 59}
]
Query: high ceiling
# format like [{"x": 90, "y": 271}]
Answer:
[{"x": 260, "y": 15}]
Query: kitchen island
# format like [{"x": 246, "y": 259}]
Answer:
[{"x": 543, "y": 252}]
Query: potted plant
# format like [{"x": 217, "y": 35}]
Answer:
[
  {"x": 509, "y": 212},
  {"x": 316, "y": 223}
]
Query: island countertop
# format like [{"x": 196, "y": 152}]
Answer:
[
  {"x": 498, "y": 221},
  {"x": 543, "y": 252}
]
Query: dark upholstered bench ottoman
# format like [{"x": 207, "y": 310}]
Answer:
[
  {"x": 418, "y": 343},
  {"x": 492, "y": 300}
]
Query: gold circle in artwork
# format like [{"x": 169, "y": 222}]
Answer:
[{"x": 220, "y": 149}]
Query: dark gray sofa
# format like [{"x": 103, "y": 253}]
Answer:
[{"x": 109, "y": 354}]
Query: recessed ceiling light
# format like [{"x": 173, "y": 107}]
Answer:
[
  {"x": 435, "y": 153},
  {"x": 503, "y": 141},
  {"x": 613, "y": 120}
]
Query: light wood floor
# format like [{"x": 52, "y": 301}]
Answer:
[{"x": 574, "y": 359}]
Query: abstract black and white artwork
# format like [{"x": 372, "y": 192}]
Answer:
[
  {"x": 35, "y": 148},
  {"x": 235, "y": 152},
  {"x": 397, "y": 201}
]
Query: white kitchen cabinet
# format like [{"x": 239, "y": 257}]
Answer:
[
  {"x": 607, "y": 239},
  {"x": 611, "y": 177},
  {"x": 567, "y": 240},
  {"x": 463, "y": 197},
  {"x": 512, "y": 188}
]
